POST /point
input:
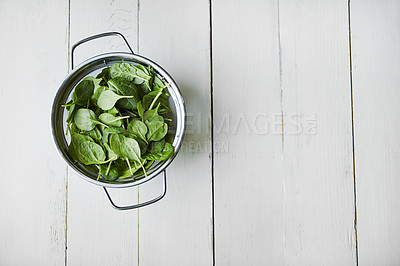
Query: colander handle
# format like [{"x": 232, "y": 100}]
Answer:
[
  {"x": 130, "y": 207},
  {"x": 97, "y": 36}
]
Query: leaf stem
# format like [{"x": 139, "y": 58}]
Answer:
[
  {"x": 68, "y": 104},
  {"x": 129, "y": 165},
  {"x": 99, "y": 123},
  {"x": 98, "y": 176},
  {"x": 125, "y": 96},
  {"x": 166, "y": 85},
  {"x": 109, "y": 160},
  {"x": 119, "y": 118},
  {"x": 108, "y": 168},
  {"x": 155, "y": 99},
  {"x": 144, "y": 170},
  {"x": 68, "y": 128}
]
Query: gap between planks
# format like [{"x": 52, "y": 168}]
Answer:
[
  {"x": 352, "y": 131},
  {"x": 212, "y": 135}
]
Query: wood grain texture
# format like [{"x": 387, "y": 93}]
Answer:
[
  {"x": 376, "y": 61},
  {"x": 249, "y": 218},
  {"x": 33, "y": 176},
  {"x": 290, "y": 199},
  {"x": 318, "y": 154},
  {"x": 178, "y": 229},
  {"x": 98, "y": 234}
]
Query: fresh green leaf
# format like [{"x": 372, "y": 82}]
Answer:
[
  {"x": 138, "y": 128},
  {"x": 165, "y": 154},
  {"x": 110, "y": 171},
  {"x": 130, "y": 150},
  {"x": 147, "y": 166},
  {"x": 111, "y": 120},
  {"x": 157, "y": 83},
  {"x": 104, "y": 75},
  {"x": 169, "y": 138},
  {"x": 124, "y": 70},
  {"x": 152, "y": 115},
  {"x": 140, "y": 109},
  {"x": 108, "y": 98},
  {"x": 83, "y": 91},
  {"x": 85, "y": 119},
  {"x": 126, "y": 88},
  {"x": 156, "y": 146},
  {"x": 154, "y": 98},
  {"x": 97, "y": 92},
  {"x": 114, "y": 111},
  {"x": 95, "y": 134},
  {"x": 108, "y": 131},
  {"x": 157, "y": 130},
  {"x": 86, "y": 150},
  {"x": 116, "y": 143},
  {"x": 138, "y": 74}
]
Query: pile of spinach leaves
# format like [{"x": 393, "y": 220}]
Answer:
[{"x": 117, "y": 121}]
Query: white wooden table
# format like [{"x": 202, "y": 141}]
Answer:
[{"x": 292, "y": 151}]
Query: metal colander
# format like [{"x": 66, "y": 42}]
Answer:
[{"x": 92, "y": 67}]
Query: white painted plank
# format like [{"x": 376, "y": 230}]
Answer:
[
  {"x": 178, "y": 229},
  {"x": 297, "y": 209},
  {"x": 34, "y": 54},
  {"x": 98, "y": 234},
  {"x": 318, "y": 180},
  {"x": 249, "y": 228},
  {"x": 376, "y": 62}
]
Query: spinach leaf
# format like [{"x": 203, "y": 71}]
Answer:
[
  {"x": 138, "y": 128},
  {"x": 111, "y": 155},
  {"x": 113, "y": 111},
  {"x": 111, "y": 120},
  {"x": 157, "y": 130},
  {"x": 142, "y": 143},
  {"x": 83, "y": 91},
  {"x": 140, "y": 109},
  {"x": 157, "y": 83},
  {"x": 116, "y": 143},
  {"x": 147, "y": 166},
  {"x": 71, "y": 112},
  {"x": 129, "y": 72},
  {"x": 130, "y": 150},
  {"x": 76, "y": 138},
  {"x": 124, "y": 70},
  {"x": 96, "y": 81},
  {"x": 74, "y": 129},
  {"x": 169, "y": 138},
  {"x": 126, "y": 88},
  {"x": 108, "y": 131},
  {"x": 85, "y": 119},
  {"x": 154, "y": 98},
  {"x": 104, "y": 75},
  {"x": 124, "y": 170},
  {"x": 97, "y": 92},
  {"x": 165, "y": 154},
  {"x": 108, "y": 98},
  {"x": 152, "y": 115},
  {"x": 95, "y": 134},
  {"x": 156, "y": 146},
  {"x": 86, "y": 150},
  {"x": 110, "y": 171}
]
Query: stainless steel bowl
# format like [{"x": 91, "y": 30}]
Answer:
[{"x": 91, "y": 67}]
